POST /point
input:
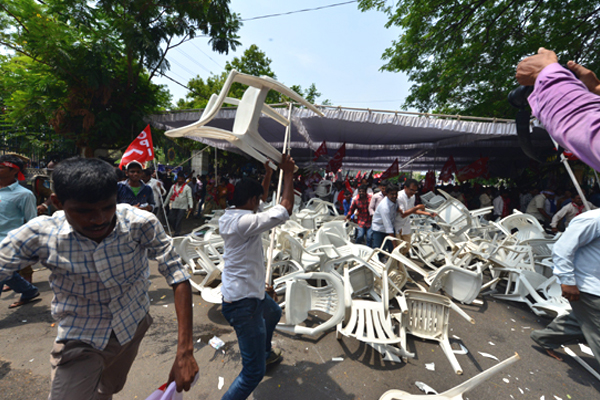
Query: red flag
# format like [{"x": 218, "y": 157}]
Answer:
[
  {"x": 448, "y": 169},
  {"x": 141, "y": 149},
  {"x": 336, "y": 162},
  {"x": 429, "y": 182},
  {"x": 348, "y": 186},
  {"x": 321, "y": 151},
  {"x": 391, "y": 172},
  {"x": 473, "y": 170},
  {"x": 358, "y": 176}
]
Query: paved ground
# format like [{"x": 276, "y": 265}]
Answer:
[{"x": 307, "y": 370}]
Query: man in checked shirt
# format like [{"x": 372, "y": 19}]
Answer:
[{"x": 98, "y": 254}]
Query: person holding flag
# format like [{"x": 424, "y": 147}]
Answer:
[{"x": 134, "y": 191}]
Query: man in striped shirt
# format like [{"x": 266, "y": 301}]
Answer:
[{"x": 98, "y": 254}]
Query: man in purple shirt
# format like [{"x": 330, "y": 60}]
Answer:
[{"x": 568, "y": 107}]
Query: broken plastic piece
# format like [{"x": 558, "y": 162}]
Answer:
[
  {"x": 585, "y": 349},
  {"x": 221, "y": 383},
  {"x": 425, "y": 388},
  {"x": 489, "y": 356},
  {"x": 583, "y": 363},
  {"x": 430, "y": 366},
  {"x": 216, "y": 343},
  {"x": 463, "y": 350}
]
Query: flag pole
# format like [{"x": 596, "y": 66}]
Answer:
[
  {"x": 286, "y": 150},
  {"x": 162, "y": 203}
]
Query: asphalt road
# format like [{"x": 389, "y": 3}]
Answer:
[{"x": 307, "y": 370}]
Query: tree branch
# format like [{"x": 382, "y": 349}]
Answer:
[{"x": 14, "y": 17}]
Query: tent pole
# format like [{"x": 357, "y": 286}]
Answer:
[
  {"x": 162, "y": 203},
  {"x": 565, "y": 162},
  {"x": 286, "y": 150}
]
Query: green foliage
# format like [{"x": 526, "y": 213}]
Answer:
[
  {"x": 85, "y": 67},
  {"x": 253, "y": 62},
  {"x": 461, "y": 55}
]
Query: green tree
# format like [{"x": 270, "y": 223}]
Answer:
[
  {"x": 86, "y": 68},
  {"x": 461, "y": 55},
  {"x": 253, "y": 62}
]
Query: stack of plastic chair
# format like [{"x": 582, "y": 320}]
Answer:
[
  {"x": 195, "y": 254},
  {"x": 528, "y": 231},
  {"x": 456, "y": 393},
  {"x": 315, "y": 213},
  {"x": 244, "y": 133},
  {"x": 370, "y": 321},
  {"x": 428, "y": 316}
]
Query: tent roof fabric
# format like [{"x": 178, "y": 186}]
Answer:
[{"x": 374, "y": 138}]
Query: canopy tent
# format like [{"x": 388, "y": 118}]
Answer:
[{"x": 375, "y": 138}]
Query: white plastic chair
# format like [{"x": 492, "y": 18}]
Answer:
[
  {"x": 324, "y": 188},
  {"x": 432, "y": 200},
  {"x": 428, "y": 316},
  {"x": 456, "y": 393},
  {"x": 244, "y": 133},
  {"x": 370, "y": 321},
  {"x": 543, "y": 295},
  {"x": 301, "y": 297}
]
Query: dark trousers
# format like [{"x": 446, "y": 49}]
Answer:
[
  {"x": 176, "y": 215},
  {"x": 254, "y": 321}
]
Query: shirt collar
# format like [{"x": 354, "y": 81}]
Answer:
[{"x": 12, "y": 187}]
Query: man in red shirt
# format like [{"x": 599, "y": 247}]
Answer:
[{"x": 360, "y": 205}]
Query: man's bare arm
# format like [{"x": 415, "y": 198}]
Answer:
[{"x": 185, "y": 367}]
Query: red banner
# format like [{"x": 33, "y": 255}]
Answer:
[
  {"x": 321, "y": 151},
  {"x": 473, "y": 170},
  {"x": 429, "y": 184},
  {"x": 448, "y": 169},
  {"x": 336, "y": 162},
  {"x": 391, "y": 172},
  {"x": 141, "y": 149}
]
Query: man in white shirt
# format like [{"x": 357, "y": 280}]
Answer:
[
  {"x": 498, "y": 206},
  {"x": 180, "y": 200},
  {"x": 253, "y": 315},
  {"x": 485, "y": 200},
  {"x": 406, "y": 207},
  {"x": 537, "y": 206},
  {"x": 569, "y": 212},
  {"x": 383, "y": 219},
  {"x": 575, "y": 256}
]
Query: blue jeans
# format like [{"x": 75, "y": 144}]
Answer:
[
  {"x": 254, "y": 321},
  {"x": 364, "y": 233},
  {"x": 20, "y": 285},
  {"x": 378, "y": 238}
]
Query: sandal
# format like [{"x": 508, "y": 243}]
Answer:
[{"x": 23, "y": 302}]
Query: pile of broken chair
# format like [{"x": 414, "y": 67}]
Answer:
[{"x": 325, "y": 281}]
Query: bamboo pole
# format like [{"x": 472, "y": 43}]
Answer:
[
  {"x": 286, "y": 150},
  {"x": 162, "y": 203}
]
